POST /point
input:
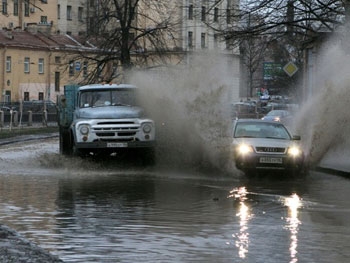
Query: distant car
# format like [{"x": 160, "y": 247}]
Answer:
[
  {"x": 260, "y": 145},
  {"x": 283, "y": 116},
  {"x": 272, "y": 105}
]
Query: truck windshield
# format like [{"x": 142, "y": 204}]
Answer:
[{"x": 103, "y": 98}]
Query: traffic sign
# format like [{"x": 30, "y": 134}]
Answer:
[{"x": 290, "y": 68}]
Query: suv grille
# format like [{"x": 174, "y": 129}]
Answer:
[{"x": 279, "y": 150}]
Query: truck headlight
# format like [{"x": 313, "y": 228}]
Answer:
[
  {"x": 84, "y": 129},
  {"x": 147, "y": 128},
  {"x": 244, "y": 149},
  {"x": 294, "y": 151}
]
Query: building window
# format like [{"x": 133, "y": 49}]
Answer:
[
  {"x": 71, "y": 68},
  {"x": 203, "y": 40},
  {"x": 203, "y": 13},
  {"x": 41, "y": 96},
  {"x": 41, "y": 66},
  {"x": 4, "y": 7},
  {"x": 216, "y": 14},
  {"x": 85, "y": 69},
  {"x": 43, "y": 19},
  {"x": 26, "y": 96},
  {"x": 190, "y": 39},
  {"x": 26, "y": 8},
  {"x": 57, "y": 81},
  {"x": 190, "y": 12},
  {"x": 58, "y": 60},
  {"x": 8, "y": 64},
  {"x": 69, "y": 12},
  {"x": 58, "y": 11},
  {"x": 26, "y": 65},
  {"x": 15, "y": 7},
  {"x": 80, "y": 13},
  {"x": 216, "y": 40}
]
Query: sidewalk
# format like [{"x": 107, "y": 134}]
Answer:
[{"x": 336, "y": 162}]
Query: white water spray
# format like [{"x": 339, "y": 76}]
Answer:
[{"x": 191, "y": 105}]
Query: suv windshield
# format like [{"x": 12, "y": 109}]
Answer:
[
  {"x": 261, "y": 130},
  {"x": 103, "y": 98}
]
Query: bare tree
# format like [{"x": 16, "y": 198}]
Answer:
[
  {"x": 289, "y": 23},
  {"x": 126, "y": 32}
]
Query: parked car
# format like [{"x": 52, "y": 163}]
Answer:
[
  {"x": 260, "y": 145},
  {"x": 283, "y": 116}
]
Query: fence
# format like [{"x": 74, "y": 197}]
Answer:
[{"x": 15, "y": 118}]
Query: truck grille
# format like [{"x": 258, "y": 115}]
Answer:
[{"x": 119, "y": 129}]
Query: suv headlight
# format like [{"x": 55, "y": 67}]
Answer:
[
  {"x": 84, "y": 129},
  {"x": 244, "y": 149},
  {"x": 294, "y": 151}
]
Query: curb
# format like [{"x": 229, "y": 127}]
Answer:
[
  {"x": 332, "y": 171},
  {"x": 24, "y": 138}
]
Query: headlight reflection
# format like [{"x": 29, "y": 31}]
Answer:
[
  {"x": 293, "y": 203},
  {"x": 242, "y": 242}
]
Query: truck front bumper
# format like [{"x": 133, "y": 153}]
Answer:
[{"x": 115, "y": 145}]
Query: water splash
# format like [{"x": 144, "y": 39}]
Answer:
[
  {"x": 191, "y": 106},
  {"x": 323, "y": 120}
]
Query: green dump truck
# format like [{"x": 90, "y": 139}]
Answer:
[{"x": 104, "y": 119}]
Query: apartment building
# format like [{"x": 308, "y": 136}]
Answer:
[
  {"x": 20, "y": 14},
  {"x": 51, "y": 16},
  {"x": 72, "y": 16},
  {"x": 36, "y": 66},
  {"x": 203, "y": 22},
  {"x": 57, "y": 23}
]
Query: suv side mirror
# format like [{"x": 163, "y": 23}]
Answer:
[{"x": 296, "y": 137}]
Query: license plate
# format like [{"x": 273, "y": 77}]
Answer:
[
  {"x": 117, "y": 144},
  {"x": 270, "y": 160}
]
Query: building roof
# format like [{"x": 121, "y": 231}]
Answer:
[{"x": 38, "y": 40}]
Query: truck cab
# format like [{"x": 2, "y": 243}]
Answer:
[{"x": 101, "y": 119}]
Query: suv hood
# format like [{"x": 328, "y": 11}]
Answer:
[{"x": 110, "y": 112}]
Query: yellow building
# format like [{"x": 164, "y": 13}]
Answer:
[{"x": 36, "y": 66}]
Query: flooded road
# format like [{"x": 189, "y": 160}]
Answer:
[{"x": 85, "y": 211}]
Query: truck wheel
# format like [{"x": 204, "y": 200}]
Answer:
[
  {"x": 65, "y": 142},
  {"x": 79, "y": 152},
  {"x": 76, "y": 151}
]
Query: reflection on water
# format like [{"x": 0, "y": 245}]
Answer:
[
  {"x": 293, "y": 203},
  {"x": 138, "y": 216},
  {"x": 244, "y": 215}
]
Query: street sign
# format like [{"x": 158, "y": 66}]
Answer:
[
  {"x": 290, "y": 68},
  {"x": 271, "y": 70}
]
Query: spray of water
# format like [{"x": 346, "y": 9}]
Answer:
[
  {"x": 190, "y": 105},
  {"x": 324, "y": 120}
]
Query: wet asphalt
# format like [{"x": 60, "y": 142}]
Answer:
[{"x": 14, "y": 247}]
